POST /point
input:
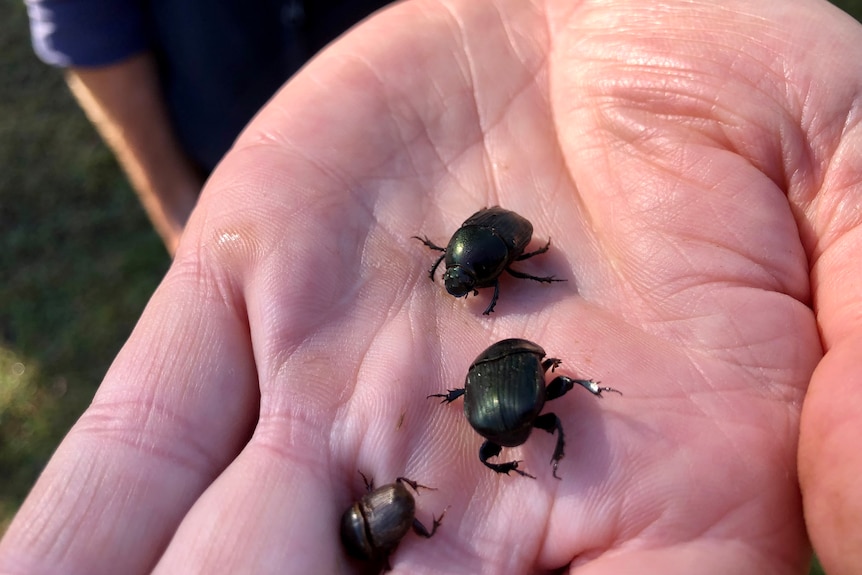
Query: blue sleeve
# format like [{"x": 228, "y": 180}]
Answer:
[{"x": 86, "y": 32}]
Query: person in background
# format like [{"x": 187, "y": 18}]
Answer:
[{"x": 170, "y": 84}]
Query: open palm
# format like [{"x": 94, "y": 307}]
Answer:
[{"x": 693, "y": 173}]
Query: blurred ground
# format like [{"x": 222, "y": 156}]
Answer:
[{"x": 78, "y": 259}]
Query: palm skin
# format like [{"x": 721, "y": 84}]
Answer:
[{"x": 695, "y": 167}]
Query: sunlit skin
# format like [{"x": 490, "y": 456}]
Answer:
[{"x": 697, "y": 165}]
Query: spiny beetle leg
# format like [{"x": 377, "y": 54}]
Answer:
[
  {"x": 433, "y": 269},
  {"x": 369, "y": 483},
  {"x": 534, "y": 253},
  {"x": 551, "y": 423},
  {"x": 489, "y": 450},
  {"x": 551, "y": 363},
  {"x": 432, "y": 246},
  {"x": 449, "y": 397},
  {"x": 414, "y": 485},
  {"x": 558, "y": 387},
  {"x": 429, "y": 243},
  {"x": 493, "y": 303},
  {"x": 420, "y": 529},
  {"x": 524, "y": 276},
  {"x": 590, "y": 385}
]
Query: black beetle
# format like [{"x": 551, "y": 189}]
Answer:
[
  {"x": 372, "y": 527},
  {"x": 482, "y": 249},
  {"x": 504, "y": 394}
]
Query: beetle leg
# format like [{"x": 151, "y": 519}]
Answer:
[
  {"x": 369, "y": 483},
  {"x": 433, "y": 269},
  {"x": 420, "y": 529},
  {"x": 562, "y": 384},
  {"x": 491, "y": 305},
  {"x": 551, "y": 363},
  {"x": 524, "y": 276},
  {"x": 535, "y": 253},
  {"x": 414, "y": 485},
  {"x": 449, "y": 397},
  {"x": 489, "y": 450},
  {"x": 429, "y": 243},
  {"x": 551, "y": 423},
  {"x": 432, "y": 246}
]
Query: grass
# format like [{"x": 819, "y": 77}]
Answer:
[{"x": 79, "y": 259}]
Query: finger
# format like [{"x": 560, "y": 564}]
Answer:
[
  {"x": 652, "y": 182},
  {"x": 266, "y": 514},
  {"x": 329, "y": 393},
  {"x": 830, "y": 461},
  {"x": 175, "y": 407}
]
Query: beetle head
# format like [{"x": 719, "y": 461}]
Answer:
[{"x": 459, "y": 282}]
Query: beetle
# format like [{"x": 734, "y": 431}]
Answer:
[
  {"x": 504, "y": 394},
  {"x": 372, "y": 527},
  {"x": 483, "y": 248}
]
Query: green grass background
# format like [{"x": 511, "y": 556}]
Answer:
[{"x": 78, "y": 259}]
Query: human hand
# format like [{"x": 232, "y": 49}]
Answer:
[{"x": 695, "y": 166}]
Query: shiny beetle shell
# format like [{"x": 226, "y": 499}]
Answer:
[
  {"x": 481, "y": 249},
  {"x": 485, "y": 246},
  {"x": 504, "y": 394},
  {"x": 505, "y": 391},
  {"x": 372, "y": 527},
  {"x": 375, "y": 524}
]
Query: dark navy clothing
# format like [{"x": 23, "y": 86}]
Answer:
[{"x": 219, "y": 60}]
